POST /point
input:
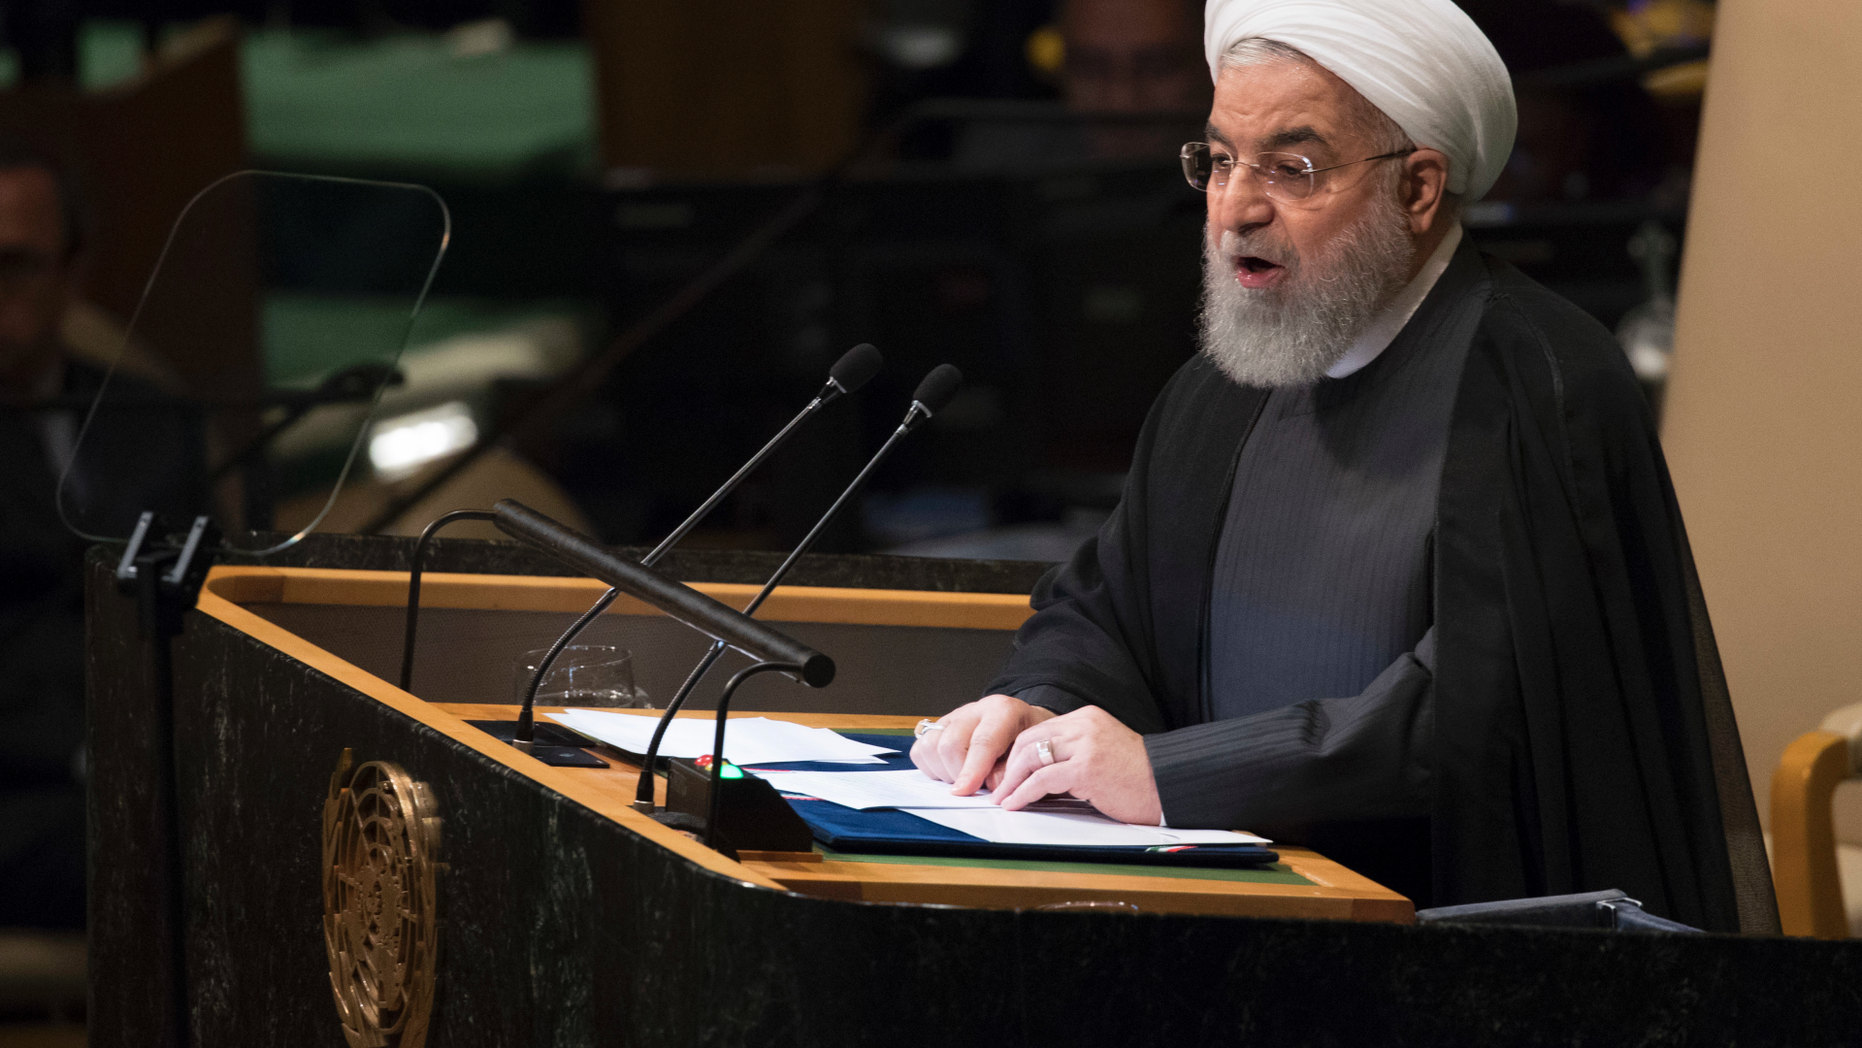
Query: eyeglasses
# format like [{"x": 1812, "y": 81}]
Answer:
[{"x": 1283, "y": 176}]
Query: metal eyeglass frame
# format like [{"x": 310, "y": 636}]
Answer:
[{"x": 1187, "y": 157}]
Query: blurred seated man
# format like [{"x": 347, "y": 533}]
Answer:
[
  {"x": 1398, "y": 572},
  {"x": 53, "y": 356},
  {"x": 1139, "y": 57},
  {"x": 1133, "y": 56},
  {"x": 41, "y": 594}
]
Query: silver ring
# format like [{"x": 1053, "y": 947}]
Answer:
[
  {"x": 924, "y": 726},
  {"x": 1044, "y": 750}
]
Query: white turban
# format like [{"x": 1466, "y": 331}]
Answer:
[{"x": 1423, "y": 62}]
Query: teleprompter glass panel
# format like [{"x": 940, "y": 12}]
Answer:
[{"x": 221, "y": 403}]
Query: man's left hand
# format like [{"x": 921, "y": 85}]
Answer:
[{"x": 1096, "y": 758}]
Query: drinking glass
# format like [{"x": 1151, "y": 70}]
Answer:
[{"x": 586, "y": 675}]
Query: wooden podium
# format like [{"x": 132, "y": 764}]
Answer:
[
  {"x": 546, "y": 911},
  {"x": 1305, "y": 885}
]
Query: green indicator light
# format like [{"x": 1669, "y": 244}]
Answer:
[{"x": 731, "y": 771}]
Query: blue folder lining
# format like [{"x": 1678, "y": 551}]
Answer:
[
  {"x": 892, "y": 832},
  {"x": 894, "y": 761}
]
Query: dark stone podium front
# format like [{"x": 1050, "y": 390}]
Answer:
[{"x": 559, "y": 925}]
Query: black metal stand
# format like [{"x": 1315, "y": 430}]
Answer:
[
  {"x": 165, "y": 577},
  {"x": 559, "y": 749},
  {"x": 413, "y": 584}
]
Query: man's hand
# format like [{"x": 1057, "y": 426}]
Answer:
[
  {"x": 1096, "y": 758},
  {"x": 973, "y": 739}
]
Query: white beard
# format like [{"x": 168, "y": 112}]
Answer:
[{"x": 1289, "y": 335}]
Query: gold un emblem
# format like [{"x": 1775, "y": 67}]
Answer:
[{"x": 381, "y": 840}]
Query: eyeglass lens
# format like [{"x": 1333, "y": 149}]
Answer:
[{"x": 1287, "y": 176}]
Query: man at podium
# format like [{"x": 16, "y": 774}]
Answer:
[{"x": 1398, "y": 572}]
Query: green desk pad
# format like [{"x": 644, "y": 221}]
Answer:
[
  {"x": 331, "y": 99},
  {"x": 406, "y": 99},
  {"x": 1278, "y": 873}
]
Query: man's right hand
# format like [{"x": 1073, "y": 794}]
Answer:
[{"x": 973, "y": 740}]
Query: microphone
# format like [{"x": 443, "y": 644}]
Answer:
[
  {"x": 931, "y": 395},
  {"x": 927, "y": 400},
  {"x": 705, "y": 614},
  {"x": 854, "y": 369}
]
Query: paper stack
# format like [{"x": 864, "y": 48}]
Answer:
[
  {"x": 749, "y": 740},
  {"x": 913, "y": 791}
]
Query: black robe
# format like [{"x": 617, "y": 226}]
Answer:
[{"x": 1583, "y": 737}]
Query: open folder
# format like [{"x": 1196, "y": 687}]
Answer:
[{"x": 872, "y": 815}]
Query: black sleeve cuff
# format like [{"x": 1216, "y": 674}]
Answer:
[
  {"x": 1363, "y": 757},
  {"x": 1049, "y": 697}
]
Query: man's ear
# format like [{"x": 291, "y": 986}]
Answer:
[{"x": 1424, "y": 190}]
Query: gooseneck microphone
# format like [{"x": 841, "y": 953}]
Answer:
[
  {"x": 723, "y": 624},
  {"x": 854, "y": 369},
  {"x": 927, "y": 400}
]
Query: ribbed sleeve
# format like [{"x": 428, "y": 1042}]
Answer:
[{"x": 1366, "y": 756}]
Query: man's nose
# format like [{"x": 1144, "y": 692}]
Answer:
[{"x": 1240, "y": 205}]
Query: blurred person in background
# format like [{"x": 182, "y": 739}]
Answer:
[
  {"x": 55, "y": 353},
  {"x": 1133, "y": 56},
  {"x": 1140, "y": 58},
  {"x": 1581, "y": 138},
  {"x": 41, "y": 591}
]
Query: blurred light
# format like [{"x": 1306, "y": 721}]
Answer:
[
  {"x": 487, "y": 36},
  {"x": 1046, "y": 51},
  {"x": 403, "y": 444},
  {"x": 1487, "y": 213},
  {"x": 921, "y": 46}
]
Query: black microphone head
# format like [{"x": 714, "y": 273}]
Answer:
[
  {"x": 856, "y": 367},
  {"x": 937, "y": 388}
]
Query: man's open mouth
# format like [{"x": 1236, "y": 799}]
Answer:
[{"x": 1257, "y": 273}]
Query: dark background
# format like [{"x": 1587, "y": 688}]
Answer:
[{"x": 1066, "y": 291}]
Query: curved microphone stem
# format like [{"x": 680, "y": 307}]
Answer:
[
  {"x": 413, "y": 585},
  {"x": 526, "y": 722},
  {"x": 643, "y": 792},
  {"x": 717, "y": 744},
  {"x": 828, "y": 394},
  {"x": 643, "y": 788}
]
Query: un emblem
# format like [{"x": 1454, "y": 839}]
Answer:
[{"x": 381, "y": 840}]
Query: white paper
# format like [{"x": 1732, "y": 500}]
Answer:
[
  {"x": 748, "y": 740},
  {"x": 913, "y": 791},
  {"x": 1079, "y": 831},
  {"x": 905, "y": 788}
]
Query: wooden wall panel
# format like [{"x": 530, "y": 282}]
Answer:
[
  {"x": 727, "y": 90},
  {"x": 1764, "y": 418},
  {"x": 143, "y": 149}
]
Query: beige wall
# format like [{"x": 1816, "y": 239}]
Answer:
[{"x": 1764, "y": 422}]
